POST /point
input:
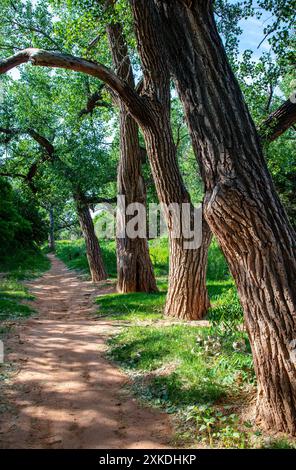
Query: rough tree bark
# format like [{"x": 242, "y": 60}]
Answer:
[
  {"x": 187, "y": 296},
  {"x": 93, "y": 252},
  {"x": 241, "y": 205},
  {"x": 134, "y": 266},
  {"x": 187, "y": 293}
]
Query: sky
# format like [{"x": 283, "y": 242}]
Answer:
[{"x": 253, "y": 34}]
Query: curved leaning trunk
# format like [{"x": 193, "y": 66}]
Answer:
[
  {"x": 93, "y": 252},
  {"x": 241, "y": 205},
  {"x": 134, "y": 267},
  {"x": 187, "y": 296}
]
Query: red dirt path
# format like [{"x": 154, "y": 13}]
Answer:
[{"x": 66, "y": 394}]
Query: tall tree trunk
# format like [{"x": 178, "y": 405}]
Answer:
[
  {"x": 142, "y": 108},
  {"x": 93, "y": 252},
  {"x": 51, "y": 241},
  {"x": 134, "y": 266},
  {"x": 241, "y": 205},
  {"x": 187, "y": 296},
  {"x": 187, "y": 293}
]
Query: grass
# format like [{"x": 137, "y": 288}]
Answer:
[
  {"x": 136, "y": 306},
  {"x": 12, "y": 293},
  {"x": 25, "y": 265},
  {"x": 225, "y": 309},
  {"x": 72, "y": 253},
  {"x": 201, "y": 365},
  {"x": 193, "y": 373}
]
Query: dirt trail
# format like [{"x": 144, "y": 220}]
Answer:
[{"x": 66, "y": 394}]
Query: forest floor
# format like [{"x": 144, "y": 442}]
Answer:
[{"x": 63, "y": 392}]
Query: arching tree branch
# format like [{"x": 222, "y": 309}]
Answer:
[{"x": 39, "y": 57}]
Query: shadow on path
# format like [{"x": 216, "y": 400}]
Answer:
[{"x": 66, "y": 394}]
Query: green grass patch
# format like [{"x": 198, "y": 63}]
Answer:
[
  {"x": 26, "y": 264},
  {"x": 201, "y": 366},
  {"x": 135, "y": 306},
  {"x": 17, "y": 267},
  {"x": 159, "y": 254},
  {"x": 193, "y": 372},
  {"x": 73, "y": 254},
  {"x": 12, "y": 293},
  {"x": 226, "y": 312},
  {"x": 217, "y": 266}
]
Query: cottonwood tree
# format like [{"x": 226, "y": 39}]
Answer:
[
  {"x": 187, "y": 294},
  {"x": 138, "y": 107},
  {"x": 240, "y": 204},
  {"x": 68, "y": 31}
]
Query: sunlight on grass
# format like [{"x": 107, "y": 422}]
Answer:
[
  {"x": 72, "y": 253},
  {"x": 196, "y": 374},
  {"x": 135, "y": 306}
]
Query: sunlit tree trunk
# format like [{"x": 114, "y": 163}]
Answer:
[{"x": 187, "y": 296}]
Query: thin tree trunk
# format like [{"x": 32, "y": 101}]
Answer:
[
  {"x": 51, "y": 241},
  {"x": 134, "y": 266},
  {"x": 241, "y": 205},
  {"x": 93, "y": 251}
]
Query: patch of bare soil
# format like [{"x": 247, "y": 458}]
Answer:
[{"x": 65, "y": 393}]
